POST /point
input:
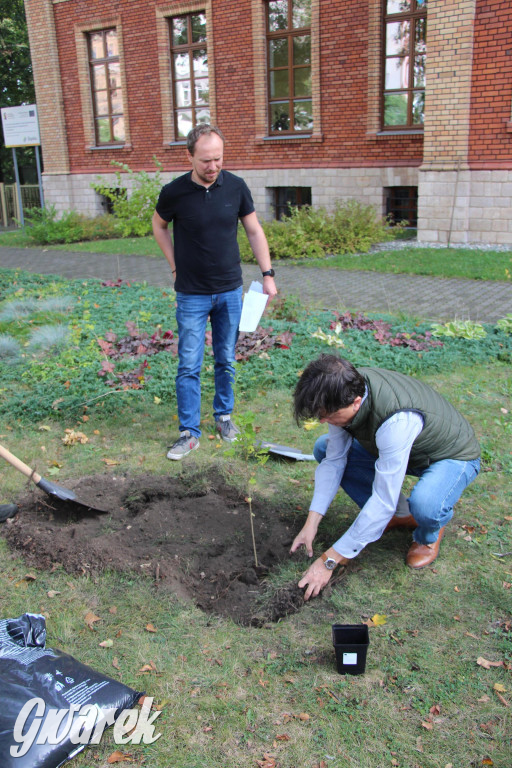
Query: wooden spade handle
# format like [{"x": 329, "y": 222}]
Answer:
[{"x": 19, "y": 465}]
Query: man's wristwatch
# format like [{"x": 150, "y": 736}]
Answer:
[
  {"x": 268, "y": 273},
  {"x": 329, "y": 562}
]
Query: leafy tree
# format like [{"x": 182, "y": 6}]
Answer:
[{"x": 16, "y": 79}]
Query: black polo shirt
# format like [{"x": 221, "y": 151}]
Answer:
[{"x": 205, "y": 222}]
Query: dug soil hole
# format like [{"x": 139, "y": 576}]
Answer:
[{"x": 190, "y": 535}]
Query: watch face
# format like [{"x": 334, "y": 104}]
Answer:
[{"x": 330, "y": 564}]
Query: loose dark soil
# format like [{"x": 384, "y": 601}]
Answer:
[{"x": 190, "y": 535}]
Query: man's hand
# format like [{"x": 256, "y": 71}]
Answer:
[
  {"x": 307, "y": 535},
  {"x": 269, "y": 287},
  {"x": 316, "y": 578}
]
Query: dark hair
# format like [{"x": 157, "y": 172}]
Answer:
[
  {"x": 201, "y": 129},
  {"x": 327, "y": 384}
]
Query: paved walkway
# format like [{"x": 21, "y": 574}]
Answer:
[{"x": 431, "y": 298}]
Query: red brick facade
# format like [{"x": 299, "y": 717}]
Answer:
[{"x": 468, "y": 108}]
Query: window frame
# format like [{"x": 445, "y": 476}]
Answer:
[
  {"x": 416, "y": 13},
  {"x": 110, "y": 114},
  {"x": 290, "y": 33},
  {"x": 190, "y": 47}
]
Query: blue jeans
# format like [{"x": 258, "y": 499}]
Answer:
[
  {"x": 433, "y": 497},
  {"x": 192, "y": 312}
]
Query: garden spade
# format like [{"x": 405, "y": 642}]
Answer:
[{"x": 52, "y": 489}]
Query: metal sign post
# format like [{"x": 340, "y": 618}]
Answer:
[{"x": 21, "y": 129}]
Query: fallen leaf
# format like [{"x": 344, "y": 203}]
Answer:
[
  {"x": 150, "y": 628},
  {"x": 502, "y": 699},
  {"x": 119, "y": 757},
  {"x": 486, "y": 664},
  {"x": 110, "y": 462},
  {"x": 115, "y": 663},
  {"x": 487, "y": 761},
  {"x": 52, "y": 593},
  {"x": 484, "y": 699},
  {"x": 30, "y": 577},
  {"x": 304, "y": 717},
  {"x": 90, "y": 619},
  {"x": 427, "y": 725},
  {"x": 113, "y": 610},
  {"x": 107, "y": 643},
  {"x": 456, "y": 589},
  {"x": 283, "y": 737},
  {"x": 45, "y": 428},
  {"x": 499, "y": 687},
  {"x": 379, "y": 619},
  {"x": 73, "y": 437},
  {"x": 435, "y": 710}
]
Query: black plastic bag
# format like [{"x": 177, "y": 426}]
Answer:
[{"x": 39, "y": 685}]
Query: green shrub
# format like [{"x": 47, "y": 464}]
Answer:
[
  {"x": 311, "y": 233},
  {"x": 460, "y": 329},
  {"x": 133, "y": 211},
  {"x": 505, "y": 323},
  {"x": 45, "y": 227}
]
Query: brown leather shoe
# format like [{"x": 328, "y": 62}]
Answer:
[
  {"x": 421, "y": 555},
  {"x": 401, "y": 522}
]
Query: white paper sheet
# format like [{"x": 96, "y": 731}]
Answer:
[{"x": 254, "y": 304}]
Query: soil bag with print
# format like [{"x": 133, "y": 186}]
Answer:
[{"x": 52, "y": 705}]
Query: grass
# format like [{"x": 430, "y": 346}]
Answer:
[
  {"x": 439, "y": 262},
  {"x": 271, "y": 696}
]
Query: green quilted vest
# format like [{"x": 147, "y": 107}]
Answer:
[{"x": 445, "y": 435}]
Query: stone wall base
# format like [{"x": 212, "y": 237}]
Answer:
[
  {"x": 458, "y": 207},
  {"x": 453, "y": 207}
]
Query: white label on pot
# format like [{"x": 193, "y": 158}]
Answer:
[{"x": 350, "y": 658}]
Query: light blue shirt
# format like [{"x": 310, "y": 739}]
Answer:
[{"x": 394, "y": 442}]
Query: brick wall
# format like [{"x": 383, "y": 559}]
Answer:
[
  {"x": 341, "y": 84},
  {"x": 491, "y": 99}
]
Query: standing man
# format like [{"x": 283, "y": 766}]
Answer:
[
  {"x": 204, "y": 206},
  {"x": 382, "y": 426}
]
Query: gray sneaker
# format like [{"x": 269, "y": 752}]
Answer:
[
  {"x": 228, "y": 430},
  {"x": 183, "y": 446}
]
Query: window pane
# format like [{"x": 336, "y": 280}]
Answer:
[
  {"x": 395, "y": 109},
  {"x": 303, "y": 115},
  {"x": 111, "y": 40},
  {"x": 421, "y": 36},
  {"x": 184, "y": 122},
  {"x": 114, "y": 74},
  {"x": 203, "y": 116},
  {"x": 277, "y": 15},
  {"x": 118, "y": 126},
  {"x": 202, "y": 91},
  {"x": 397, "y": 73},
  {"x": 181, "y": 65},
  {"x": 280, "y": 116},
  {"x": 397, "y": 38},
  {"x": 301, "y": 13},
  {"x": 302, "y": 82},
  {"x": 103, "y": 127},
  {"x": 302, "y": 49},
  {"x": 180, "y": 31},
  {"x": 183, "y": 94},
  {"x": 278, "y": 52},
  {"x": 99, "y": 79},
  {"x": 398, "y": 6},
  {"x": 419, "y": 71},
  {"x": 198, "y": 23},
  {"x": 200, "y": 63},
  {"x": 116, "y": 98},
  {"x": 101, "y": 102},
  {"x": 279, "y": 84},
  {"x": 97, "y": 46},
  {"x": 418, "y": 108}
]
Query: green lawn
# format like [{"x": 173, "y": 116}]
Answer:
[
  {"x": 439, "y": 262},
  {"x": 437, "y": 688}
]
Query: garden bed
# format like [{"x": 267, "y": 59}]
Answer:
[{"x": 189, "y": 535}]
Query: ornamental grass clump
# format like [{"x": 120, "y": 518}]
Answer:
[{"x": 10, "y": 350}]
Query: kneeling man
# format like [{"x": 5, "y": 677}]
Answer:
[{"x": 382, "y": 426}]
